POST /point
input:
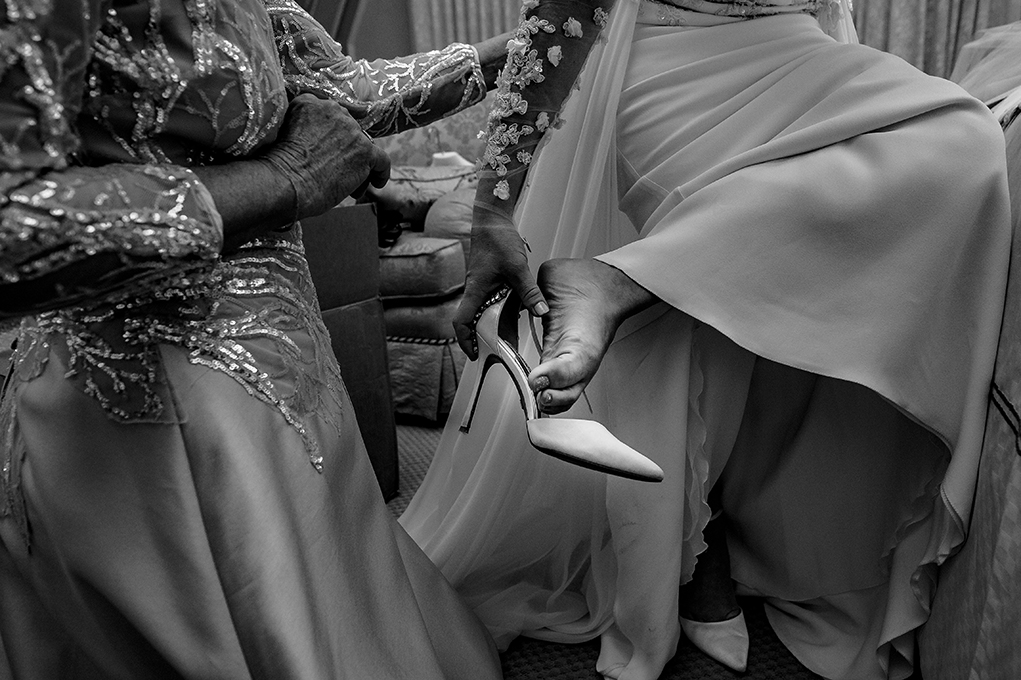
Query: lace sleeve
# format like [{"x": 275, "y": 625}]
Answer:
[
  {"x": 385, "y": 95},
  {"x": 138, "y": 221},
  {"x": 545, "y": 57}
]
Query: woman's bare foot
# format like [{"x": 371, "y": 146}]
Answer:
[
  {"x": 709, "y": 595},
  {"x": 588, "y": 301}
]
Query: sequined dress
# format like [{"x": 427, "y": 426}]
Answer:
[{"x": 185, "y": 491}]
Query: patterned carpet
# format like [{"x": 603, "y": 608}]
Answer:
[{"x": 529, "y": 659}]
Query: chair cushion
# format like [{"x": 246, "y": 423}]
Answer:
[
  {"x": 424, "y": 377},
  {"x": 421, "y": 320},
  {"x": 412, "y": 190},
  {"x": 420, "y": 267}
]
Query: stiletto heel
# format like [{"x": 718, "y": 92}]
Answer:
[
  {"x": 480, "y": 378},
  {"x": 582, "y": 442}
]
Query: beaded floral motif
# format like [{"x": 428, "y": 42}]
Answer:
[
  {"x": 526, "y": 102},
  {"x": 23, "y": 48},
  {"x": 512, "y": 103},
  {"x": 162, "y": 84},
  {"x": 261, "y": 294},
  {"x": 526, "y": 7},
  {"x": 523, "y": 68},
  {"x": 386, "y": 96},
  {"x": 502, "y": 190},
  {"x": 572, "y": 28},
  {"x": 150, "y": 215},
  {"x": 265, "y": 295},
  {"x": 554, "y": 55},
  {"x": 500, "y": 138}
]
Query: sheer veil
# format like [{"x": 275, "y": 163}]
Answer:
[
  {"x": 569, "y": 205},
  {"x": 837, "y": 21},
  {"x": 987, "y": 67}
]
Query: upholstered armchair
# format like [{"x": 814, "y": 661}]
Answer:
[{"x": 422, "y": 270}]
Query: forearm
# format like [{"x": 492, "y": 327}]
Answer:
[
  {"x": 385, "y": 95},
  {"x": 546, "y": 56},
  {"x": 77, "y": 235},
  {"x": 251, "y": 197}
]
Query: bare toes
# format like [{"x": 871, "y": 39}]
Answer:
[{"x": 577, "y": 330}]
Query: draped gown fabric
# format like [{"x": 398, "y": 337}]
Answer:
[
  {"x": 976, "y": 615},
  {"x": 814, "y": 215},
  {"x": 185, "y": 490}
]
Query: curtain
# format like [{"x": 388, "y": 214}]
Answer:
[
  {"x": 336, "y": 16},
  {"x": 440, "y": 22},
  {"x": 929, "y": 33},
  {"x": 926, "y": 33}
]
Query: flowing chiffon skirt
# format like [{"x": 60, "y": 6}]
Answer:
[
  {"x": 816, "y": 217},
  {"x": 207, "y": 546}
]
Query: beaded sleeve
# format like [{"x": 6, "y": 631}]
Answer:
[
  {"x": 155, "y": 221},
  {"x": 544, "y": 59},
  {"x": 384, "y": 95}
]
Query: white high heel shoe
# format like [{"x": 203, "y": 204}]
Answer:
[
  {"x": 726, "y": 641},
  {"x": 586, "y": 443}
]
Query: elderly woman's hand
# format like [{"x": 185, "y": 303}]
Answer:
[
  {"x": 325, "y": 155},
  {"x": 320, "y": 157},
  {"x": 499, "y": 257}
]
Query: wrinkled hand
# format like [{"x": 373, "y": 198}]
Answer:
[
  {"x": 325, "y": 155},
  {"x": 498, "y": 258}
]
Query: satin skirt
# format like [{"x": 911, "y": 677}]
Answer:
[
  {"x": 819, "y": 219},
  {"x": 208, "y": 546}
]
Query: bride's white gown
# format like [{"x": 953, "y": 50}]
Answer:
[{"x": 821, "y": 205}]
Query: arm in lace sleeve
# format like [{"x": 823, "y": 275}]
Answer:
[
  {"x": 384, "y": 95},
  {"x": 544, "y": 61},
  {"x": 70, "y": 235}
]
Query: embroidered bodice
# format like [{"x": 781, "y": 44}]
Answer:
[{"x": 106, "y": 105}]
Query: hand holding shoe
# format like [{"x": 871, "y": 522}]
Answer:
[{"x": 498, "y": 258}]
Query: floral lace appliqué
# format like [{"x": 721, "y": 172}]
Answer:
[
  {"x": 572, "y": 28},
  {"x": 499, "y": 139}
]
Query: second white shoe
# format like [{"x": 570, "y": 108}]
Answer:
[{"x": 726, "y": 641}]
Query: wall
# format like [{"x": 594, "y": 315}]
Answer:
[
  {"x": 439, "y": 22},
  {"x": 382, "y": 28},
  {"x": 927, "y": 33}
]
